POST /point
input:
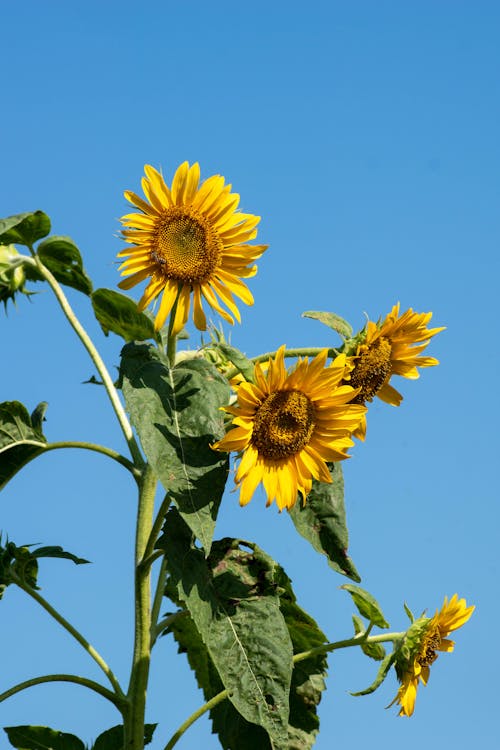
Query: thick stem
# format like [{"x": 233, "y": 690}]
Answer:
[
  {"x": 95, "y": 357},
  {"x": 71, "y": 630},
  {"x": 134, "y": 721},
  {"x": 83, "y": 681}
]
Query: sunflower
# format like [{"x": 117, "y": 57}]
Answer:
[
  {"x": 393, "y": 346},
  {"x": 189, "y": 239},
  {"x": 287, "y": 425},
  {"x": 423, "y": 639}
]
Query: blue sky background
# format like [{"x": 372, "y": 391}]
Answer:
[{"x": 366, "y": 136}]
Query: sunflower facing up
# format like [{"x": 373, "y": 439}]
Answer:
[
  {"x": 189, "y": 239},
  {"x": 287, "y": 425},
  {"x": 391, "y": 347},
  {"x": 425, "y": 637}
]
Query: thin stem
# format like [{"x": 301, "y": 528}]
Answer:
[
  {"x": 71, "y": 630},
  {"x": 95, "y": 357},
  {"x": 202, "y": 710},
  {"x": 156, "y": 528},
  {"x": 167, "y": 621},
  {"x": 134, "y": 721},
  {"x": 109, "y": 452},
  {"x": 291, "y": 353},
  {"x": 159, "y": 593},
  {"x": 355, "y": 641},
  {"x": 95, "y": 686}
]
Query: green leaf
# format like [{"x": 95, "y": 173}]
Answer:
[
  {"x": 409, "y": 613},
  {"x": 233, "y": 599},
  {"x": 238, "y": 359},
  {"x": 177, "y": 415},
  {"x": 332, "y": 321},
  {"x": 112, "y": 739},
  {"x": 119, "y": 314},
  {"x": 382, "y": 673},
  {"x": 373, "y": 650},
  {"x": 20, "y": 440},
  {"x": 367, "y": 605},
  {"x": 24, "y": 229},
  {"x": 58, "y": 552},
  {"x": 63, "y": 259},
  {"x": 322, "y": 522},
  {"x": 38, "y": 416},
  {"x": 42, "y": 738}
]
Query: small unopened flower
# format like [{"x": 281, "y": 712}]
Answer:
[
  {"x": 289, "y": 424},
  {"x": 12, "y": 274},
  {"x": 390, "y": 347},
  {"x": 189, "y": 239},
  {"x": 418, "y": 651}
]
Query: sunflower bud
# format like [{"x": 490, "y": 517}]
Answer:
[{"x": 12, "y": 274}]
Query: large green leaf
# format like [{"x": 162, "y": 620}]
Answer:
[
  {"x": 21, "y": 438},
  {"x": 112, "y": 739},
  {"x": 119, "y": 314},
  {"x": 176, "y": 413},
  {"x": 42, "y": 738},
  {"x": 233, "y": 599},
  {"x": 24, "y": 229},
  {"x": 322, "y": 522},
  {"x": 63, "y": 259}
]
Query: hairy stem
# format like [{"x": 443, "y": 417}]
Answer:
[
  {"x": 95, "y": 357},
  {"x": 202, "y": 710},
  {"x": 83, "y": 681}
]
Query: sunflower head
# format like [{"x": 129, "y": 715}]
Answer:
[
  {"x": 418, "y": 650},
  {"x": 288, "y": 424},
  {"x": 189, "y": 239}
]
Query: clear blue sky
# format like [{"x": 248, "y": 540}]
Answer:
[{"x": 366, "y": 136}]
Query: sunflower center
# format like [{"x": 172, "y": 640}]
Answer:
[
  {"x": 371, "y": 370},
  {"x": 428, "y": 654},
  {"x": 283, "y": 424},
  {"x": 186, "y": 248}
]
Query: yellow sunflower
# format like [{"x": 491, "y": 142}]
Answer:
[
  {"x": 393, "y": 346},
  {"x": 189, "y": 239},
  {"x": 424, "y": 638},
  {"x": 287, "y": 425}
]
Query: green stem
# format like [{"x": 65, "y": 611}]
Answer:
[
  {"x": 158, "y": 523},
  {"x": 164, "y": 624},
  {"x": 71, "y": 630},
  {"x": 134, "y": 721},
  {"x": 159, "y": 593},
  {"x": 95, "y": 357},
  {"x": 95, "y": 686},
  {"x": 307, "y": 351},
  {"x": 109, "y": 452},
  {"x": 355, "y": 641}
]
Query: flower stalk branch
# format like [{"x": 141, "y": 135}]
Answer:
[{"x": 83, "y": 681}]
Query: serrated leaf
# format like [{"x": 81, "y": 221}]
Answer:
[
  {"x": 382, "y": 673},
  {"x": 63, "y": 259},
  {"x": 176, "y": 412},
  {"x": 238, "y": 359},
  {"x": 119, "y": 314},
  {"x": 322, "y": 521},
  {"x": 332, "y": 321},
  {"x": 367, "y": 605},
  {"x": 112, "y": 739},
  {"x": 20, "y": 440},
  {"x": 42, "y": 738},
  {"x": 373, "y": 650},
  {"x": 58, "y": 552},
  {"x": 24, "y": 229},
  {"x": 233, "y": 600}
]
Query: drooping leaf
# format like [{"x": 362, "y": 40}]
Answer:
[
  {"x": 233, "y": 600},
  {"x": 119, "y": 314},
  {"x": 176, "y": 412},
  {"x": 331, "y": 320},
  {"x": 42, "y": 738},
  {"x": 238, "y": 359},
  {"x": 382, "y": 673},
  {"x": 112, "y": 739},
  {"x": 322, "y": 522},
  {"x": 21, "y": 440},
  {"x": 58, "y": 552},
  {"x": 38, "y": 416},
  {"x": 24, "y": 229},
  {"x": 367, "y": 605},
  {"x": 373, "y": 650},
  {"x": 63, "y": 259}
]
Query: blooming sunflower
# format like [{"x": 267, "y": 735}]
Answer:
[
  {"x": 423, "y": 639},
  {"x": 189, "y": 239},
  {"x": 390, "y": 347},
  {"x": 287, "y": 425}
]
